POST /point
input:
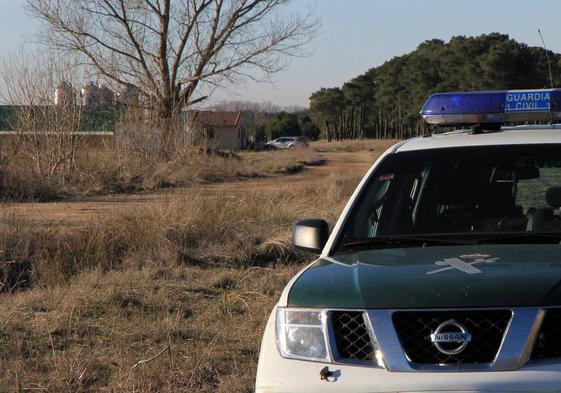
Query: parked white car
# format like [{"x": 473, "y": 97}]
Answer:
[
  {"x": 287, "y": 142},
  {"x": 443, "y": 273}
]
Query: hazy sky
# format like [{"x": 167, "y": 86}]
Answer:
[{"x": 359, "y": 34}]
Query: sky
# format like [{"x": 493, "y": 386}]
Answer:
[{"x": 356, "y": 35}]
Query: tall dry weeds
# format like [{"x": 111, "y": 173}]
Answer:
[
  {"x": 102, "y": 166},
  {"x": 243, "y": 228},
  {"x": 169, "y": 297},
  {"x": 47, "y": 133}
]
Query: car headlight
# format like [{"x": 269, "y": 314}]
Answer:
[{"x": 301, "y": 334}]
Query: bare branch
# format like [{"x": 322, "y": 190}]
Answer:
[{"x": 169, "y": 48}]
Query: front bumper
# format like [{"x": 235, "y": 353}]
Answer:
[{"x": 278, "y": 375}]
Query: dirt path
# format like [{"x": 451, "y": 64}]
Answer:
[{"x": 80, "y": 211}]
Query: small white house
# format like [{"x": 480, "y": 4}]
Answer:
[{"x": 223, "y": 130}]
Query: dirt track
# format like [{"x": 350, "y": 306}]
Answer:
[{"x": 80, "y": 211}]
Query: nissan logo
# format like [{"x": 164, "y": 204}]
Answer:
[{"x": 450, "y": 338}]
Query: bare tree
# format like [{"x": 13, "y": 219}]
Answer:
[
  {"x": 169, "y": 48},
  {"x": 47, "y": 129}
]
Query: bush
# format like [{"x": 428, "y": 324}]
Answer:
[
  {"x": 246, "y": 228},
  {"x": 107, "y": 166}
]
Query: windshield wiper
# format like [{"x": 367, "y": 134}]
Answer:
[
  {"x": 420, "y": 241},
  {"x": 405, "y": 241},
  {"x": 520, "y": 238}
]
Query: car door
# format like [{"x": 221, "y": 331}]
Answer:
[{"x": 281, "y": 143}]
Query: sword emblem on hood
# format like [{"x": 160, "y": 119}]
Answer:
[{"x": 464, "y": 263}]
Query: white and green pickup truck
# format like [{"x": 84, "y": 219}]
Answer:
[{"x": 443, "y": 273}]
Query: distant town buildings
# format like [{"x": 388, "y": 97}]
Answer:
[
  {"x": 65, "y": 94},
  {"x": 94, "y": 94},
  {"x": 130, "y": 95},
  {"x": 97, "y": 94},
  {"x": 103, "y": 108}
]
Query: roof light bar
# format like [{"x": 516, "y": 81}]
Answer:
[{"x": 493, "y": 107}]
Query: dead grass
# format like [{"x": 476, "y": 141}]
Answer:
[
  {"x": 244, "y": 228},
  {"x": 17, "y": 183},
  {"x": 189, "y": 280},
  {"x": 373, "y": 145},
  {"x": 236, "y": 166},
  {"x": 169, "y": 297},
  {"x": 145, "y": 330},
  {"x": 102, "y": 168}
]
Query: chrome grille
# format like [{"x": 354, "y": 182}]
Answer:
[
  {"x": 548, "y": 341},
  {"x": 352, "y": 340},
  {"x": 487, "y": 329}
]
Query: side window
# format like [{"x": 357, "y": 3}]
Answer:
[
  {"x": 210, "y": 133},
  {"x": 376, "y": 208},
  {"x": 397, "y": 217},
  {"x": 367, "y": 216},
  {"x": 387, "y": 207},
  {"x": 531, "y": 193}
]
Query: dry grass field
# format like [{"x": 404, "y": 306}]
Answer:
[
  {"x": 164, "y": 291},
  {"x": 102, "y": 168}
]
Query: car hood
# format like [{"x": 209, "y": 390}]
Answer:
[{"x": 433, "y": 277}]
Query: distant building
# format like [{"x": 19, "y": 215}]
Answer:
[
  {"x": 93, "y": 119},
  {"x": 129, "y": 95},
  {"x": 223, "y": 130},
  {"x": 90, "y": 94},
  {"x": 7, "y": 117},
  {"x": 65, "y": 94},
  {"x": 94, "y": 94},
  {"x": 106, "y": 95}
]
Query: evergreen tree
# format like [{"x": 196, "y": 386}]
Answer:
[{"x": 385, "y": 101}]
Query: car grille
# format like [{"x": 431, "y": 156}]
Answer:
[
  {"x": 487, "y": 329},
  {"x": 353, "y": 342},
  {"x": 548, "y": 341}
]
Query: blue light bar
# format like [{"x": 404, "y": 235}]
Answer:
[{"x": 493, "y": 107}]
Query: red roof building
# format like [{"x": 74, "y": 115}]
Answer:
[
  {"x": 222, "y": 130},
  {"x": 218, "y": 119}
]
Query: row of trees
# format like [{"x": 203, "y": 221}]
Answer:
[
  {"x": 385, "y": 101},
  {"x": 265, "y": 107}
]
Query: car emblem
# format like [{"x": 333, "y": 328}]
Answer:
[
  {"x": 465, "y": 263},
  {"x": 451, "y": 338}
]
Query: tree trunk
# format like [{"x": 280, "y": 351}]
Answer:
[
  {"x": 380, "y": 124},
  {"x": 166, "y": 125}
]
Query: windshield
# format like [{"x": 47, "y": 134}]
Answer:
[{"x": 468, "y": 193}]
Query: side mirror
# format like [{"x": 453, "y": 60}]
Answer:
[{"x": 310, "y": 235}]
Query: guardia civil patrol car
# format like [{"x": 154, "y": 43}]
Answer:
[{"x": 443, "y": 273}]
